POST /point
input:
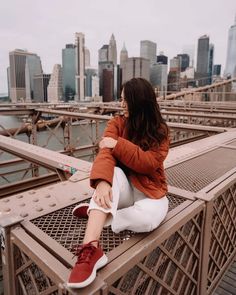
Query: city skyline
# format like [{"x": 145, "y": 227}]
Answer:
[{"x": 51, "y": 28}]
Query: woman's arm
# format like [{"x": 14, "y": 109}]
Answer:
[
  {"x": 144, "y": 162},
  {"x": 103, "y": 165}
]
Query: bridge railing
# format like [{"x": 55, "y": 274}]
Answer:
[
  {"x": 187, "y": 254},
  {"x": 76, "y": 134}
]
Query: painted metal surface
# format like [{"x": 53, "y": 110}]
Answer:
[{"x": 188, "y": 254}]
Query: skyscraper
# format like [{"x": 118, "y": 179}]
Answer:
[
  {"x": 148, "y": 50},
  {"x": 217, "y": 70},
  {"x": 79, "y": 67},
  {"x": 123, "y": 56},
  {"x": 17, "y": 74},
  {"x": 174, "y": 75},
  {"x": 211, "y": 62},
  {"x": 41, "y": 82},
  {"x": 158, "y": 78},
  {"x": 103, "y": 53},
  {"x": 190, "y": 50},
  {"x": 112, "y": 51},
  {"x": 230, "y": 68},
  {"x": 117, "y": 81},
  {"x": 202, "y": 72},
  {"x": 95, "y": 87},
  {"x": 161, "y": 58},
  {"x": 184, "y": 61},
  {"x": 33, "y": 67},
  {"x": 108, "y": 83},
  {"x": 91, "y": 78},
  {"x": 136, "y": 67},
  {"x": 109, "y": 67},
  {"x": 55, "y": 84},
  {"x": 8, "y": 81},
  {"x": 68, "y": 71},
  {"x": 87, "y": 57}
]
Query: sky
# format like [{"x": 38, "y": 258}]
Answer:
[{"x": 45, "y": 26}]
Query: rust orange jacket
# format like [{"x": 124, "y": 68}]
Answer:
[{"x": 143, "y": 168}]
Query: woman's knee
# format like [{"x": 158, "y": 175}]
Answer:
[
  {"x": 118, "y": 172},
  {"x": 151, "y": 212}
]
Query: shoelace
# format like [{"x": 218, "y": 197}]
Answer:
[{"x": 85, "y": 252}]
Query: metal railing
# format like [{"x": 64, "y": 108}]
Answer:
[{"x": 187, "y": 254}]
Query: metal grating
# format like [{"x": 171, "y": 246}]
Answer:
[
  {"x": 171, "y": 268},
  {"x": 69, "y": 231},
  {"x": 195, "y": 174},
  {"x": 30, "y": 278},
  {"x": 223, "y": 238}
]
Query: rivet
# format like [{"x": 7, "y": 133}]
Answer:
[
  {"x": 85, "y": 194},
  {"x": 22, "y": 204},
  {"x": 48, "y": 196},
  {"x": 32, "y": 192},
  {"x": 39, "y": 209},
  {"x": 19, "y": 197},
  {"x": 6, "y": 209},
  {"x": 52, "y": 204},
  {"x": 6, "y": 200},
  {"x": 35, "y": 200},
  {"x": 24, "y": 214},
  {"x": 73, "y": 198}
]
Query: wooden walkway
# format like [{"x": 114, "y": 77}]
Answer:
[{"x": 228, "y": 283}]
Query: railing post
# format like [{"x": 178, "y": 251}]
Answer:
[
  {"x": 223, "y": 93},
  {"x": 7, "y": 222},
  {"x": 34, "y": 141},
  {"x": 205, "y": 248}
]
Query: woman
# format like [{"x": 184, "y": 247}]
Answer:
[{"x": 128, "y": 176}]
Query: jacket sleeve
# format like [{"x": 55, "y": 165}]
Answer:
[
  {"x": 143, "y": 162},
  {"x": 103, "y": 165}
]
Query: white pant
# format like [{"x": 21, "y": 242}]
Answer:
[{"x": 130, "y": 208}]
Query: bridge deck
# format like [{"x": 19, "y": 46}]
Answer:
[{"x": 227, "y": 285}]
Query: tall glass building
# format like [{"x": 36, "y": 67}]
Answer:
[
  {"x": 158, "y": 78},
  {"x": 23, "y": 66},
  {"x": 202, "y": 72},
  {"x": 230, "y": 68},
  {"x": 211, "y": 62},
  {"x": 90, "y": 73},
  {"x": 33, "y": 67},
  {"x": 68, "y": 71}
]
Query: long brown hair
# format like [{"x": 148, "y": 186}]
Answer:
[{"x": 145, "y": 125}]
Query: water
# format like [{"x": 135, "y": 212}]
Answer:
[{"x": 54, "y": 140}]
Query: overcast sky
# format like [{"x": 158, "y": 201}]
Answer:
[{"x": 45, "y": 26}]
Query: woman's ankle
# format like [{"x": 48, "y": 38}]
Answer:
[{"x": 94, "y": 242}]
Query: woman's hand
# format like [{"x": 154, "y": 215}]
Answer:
[
  {"x": 107, "y": 142},
  {"x": 103, "y": 195}
]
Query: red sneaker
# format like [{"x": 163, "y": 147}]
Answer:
[
  {"x": 81, "y": 210},
  {"x": 90, "y": 259}
]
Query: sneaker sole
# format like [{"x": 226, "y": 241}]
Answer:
[{"x": 99, "y": 264}]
